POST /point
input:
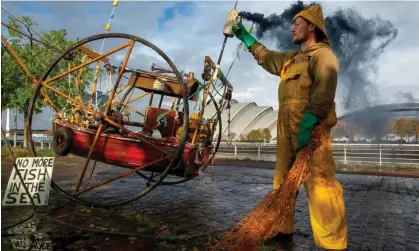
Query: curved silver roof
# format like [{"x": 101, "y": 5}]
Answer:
[
  {"x": 235, "y": 112},
  {"x": 243, "y": 125},
  {"x": 244, "y": 118},
  {"x": 402, "y": 110}
]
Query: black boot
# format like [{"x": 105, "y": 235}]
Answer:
[
  {"x": 281, "y": 241},
  {"x": 283, "y": 237}
]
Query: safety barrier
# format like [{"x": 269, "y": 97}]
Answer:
[
  {"x": 365, "y": 154},
  {"x": 39, "y": 144}
]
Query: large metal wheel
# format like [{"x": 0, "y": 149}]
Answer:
[{"x": 63, "y": 88}]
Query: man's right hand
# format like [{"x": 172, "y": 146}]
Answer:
[{"x": 243, "y": 35}]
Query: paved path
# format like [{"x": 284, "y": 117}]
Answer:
[{"x": 383, "y": 212}]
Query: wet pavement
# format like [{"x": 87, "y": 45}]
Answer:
[{"x": 382, "y": 211}]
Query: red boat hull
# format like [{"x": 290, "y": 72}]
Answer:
[{"x": 126, "y": 152}]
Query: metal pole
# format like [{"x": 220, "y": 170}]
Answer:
[
  {"x": 258, "y": 151},
  {"x": 7, "y": 123},
  {"x": 380, "y": 155},
  {"x": 344, "y": 149},
  {"x": 235, "y": 151},
  {"x": 15, "y": 135}
]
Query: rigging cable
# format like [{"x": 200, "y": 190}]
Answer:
[{"x": 30, "y": 28}]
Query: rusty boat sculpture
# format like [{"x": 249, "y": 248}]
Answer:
[{"x": 130, "y": 130}]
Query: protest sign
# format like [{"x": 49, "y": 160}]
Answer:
[{"x": 36, "y": 173}]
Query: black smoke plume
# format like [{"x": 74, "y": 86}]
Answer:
[
  {"x": 406, "y": 97},
  {"x": 356, "y": 41}
]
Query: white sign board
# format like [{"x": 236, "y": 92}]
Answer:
[{"x": 36, "y": 173}]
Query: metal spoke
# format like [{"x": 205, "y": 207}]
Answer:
[
  {"x": 88, "y": 63},
  {"x": 89, "y": 155},
  {"x": 121, "y": 176}
]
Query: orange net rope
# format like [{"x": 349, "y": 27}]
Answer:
[{"x": 270, "y": 215}]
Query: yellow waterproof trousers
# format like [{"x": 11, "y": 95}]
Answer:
[{"x": 324, "y": 192}]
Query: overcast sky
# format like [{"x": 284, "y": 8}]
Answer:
[{"x": 189, "y": 31}]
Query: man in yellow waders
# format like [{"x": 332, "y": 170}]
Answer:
[{"x": 306, "y": 98}]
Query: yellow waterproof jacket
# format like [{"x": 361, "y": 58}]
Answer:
[{"x": 312, "y": 79}]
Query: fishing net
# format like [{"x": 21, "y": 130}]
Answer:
[{"x": 270, "y": 215}]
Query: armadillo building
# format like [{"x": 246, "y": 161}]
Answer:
[{"x": 246, "y": 117}]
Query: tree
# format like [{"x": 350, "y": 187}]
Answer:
[
  {"x": 340, "y": 129},
  {"x": 255, "y": 135},
  {"x": 414, "y": 128},
  {"x": 401, "y": 128},
  {"x": 242, "y": 138},
  {"x": 266, "y": 134},
  {"x": 16, "y": 87},
  {"x": 233, "y": 136}
]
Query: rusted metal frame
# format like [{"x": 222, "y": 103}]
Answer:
[
  {"x": 19, "y": 60},
  {"x": 136, "y": 98},
  {"x": 92, "y": 54},
  {"x": 79, "y": 80},
  {"x": 68, "y": 97},
  {"x": 107, "y": 119},
  {"x": 122, "y": 88},
  {"x": 177, "y": 104},
  {"x": 108, "y": 105},
  {"x": 204, "y": 100},
  {"x": 124, "y": 64},
  {"x": 49, "y": 101},
  {"x": 79, "y": 75},
  {"x": 133, "y": 99},
  {"x": 87, "y": 63},
  {"x": 161, "y": 100},
  {"x": 132, "y": 109},
  {"x": 132, "y": 123},
  {"x": 222, "y": 100},
  {"x": 151, "y": 99},
  {"x": 221, "y": 77},
  {"x": 94, "y": 83},
  {"x": 136, "y": 136},
  {"x": 121, "y": 175},
  {"x": 220, "y": 74},
  {"x": 89, "y": 155},
  {"x": 117, "y": 93},
  {"x": 173, "y": 104}
]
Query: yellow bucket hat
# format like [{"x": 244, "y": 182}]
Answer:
[{"x": 314, "y": 15}]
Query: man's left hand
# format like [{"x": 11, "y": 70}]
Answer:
[{"x": 306, "y": 128}]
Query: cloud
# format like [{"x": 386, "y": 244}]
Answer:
[
  {"x": 189, "y": 31},
  {"x": 183, "y": 8}
]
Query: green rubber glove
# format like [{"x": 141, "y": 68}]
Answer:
[
  {"x": 306, "y": 128},
  {"x": 243, "y": 35}
]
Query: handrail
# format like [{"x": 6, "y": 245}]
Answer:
[{"x": 333, "y": 144}]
